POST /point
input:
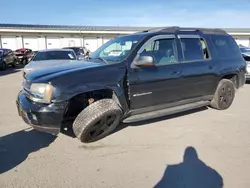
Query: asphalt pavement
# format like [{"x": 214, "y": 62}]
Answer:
[{"x": 204, "y": 148}]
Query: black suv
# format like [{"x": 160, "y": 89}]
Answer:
[{"x": 135, "y": 77}]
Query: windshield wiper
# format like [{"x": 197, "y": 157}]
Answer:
[{"x": 100, "y": 58}]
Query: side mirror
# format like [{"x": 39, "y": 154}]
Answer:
[{"x": 144, "y": 61}]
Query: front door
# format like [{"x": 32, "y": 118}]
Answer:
[{"x": 156, "y": 85}]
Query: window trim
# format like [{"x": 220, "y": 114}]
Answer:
[
  {"x": 193, "y": 37},
  {"x": 152, "y": 39}
]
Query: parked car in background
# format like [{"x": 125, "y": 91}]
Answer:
[
  {"x": 245, "y": 51},
  {"x": 7, "y": 58},
  {"x": 81, "y": 52},
  {"x": 132, "y": 78},
  {"x": 23, "y": 54},
  {"x": 48, "y": 58},
  {"x": 31, "y": 55}
]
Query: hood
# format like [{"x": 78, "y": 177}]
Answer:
[
  {"x": 60, "y": 68},
  {"x": 34, "y": 65}
]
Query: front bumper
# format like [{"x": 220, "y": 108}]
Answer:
[{"x": 43, "y": 117}]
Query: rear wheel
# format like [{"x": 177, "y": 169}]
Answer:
[
  {"x": 224, "y": 95},
  {"x": 97, "y": 120}
]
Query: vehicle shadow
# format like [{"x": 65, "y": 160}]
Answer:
[
  {"x": 191, "y": 173},
  {"x": 11, "y": 70},
  {"x": 15, "y": 147}
]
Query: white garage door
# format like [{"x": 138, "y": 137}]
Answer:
[
  {"x": 71, "y": 42},
  {"x": 106, "y": 40},
  {"x": 244, "y": 42},
  {"x": 53, "y": 42},
  {"x": 9, "y": 42},
  {"x": 91, "y": 44},
  {"x": 31, "y": 43}
]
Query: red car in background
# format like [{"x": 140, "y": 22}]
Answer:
[{"x": 23, "y": 55}]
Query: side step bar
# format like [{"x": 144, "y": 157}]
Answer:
[{"x": 165, "y": 112}]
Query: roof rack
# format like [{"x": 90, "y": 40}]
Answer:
[{"x": 175, "y": 29}]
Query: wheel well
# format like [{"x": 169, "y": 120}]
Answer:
[
  {"x": 233, "y": 78},
  {"x": 79, "y": 102}
]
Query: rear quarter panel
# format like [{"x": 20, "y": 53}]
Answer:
[{"x": 231, "y": 63}]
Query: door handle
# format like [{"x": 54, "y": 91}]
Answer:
[
  {"x": 176, "y": 72},
  {"x": 210, "y": 66}
]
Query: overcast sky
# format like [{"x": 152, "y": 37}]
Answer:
[{"x": 198, "y": 13}]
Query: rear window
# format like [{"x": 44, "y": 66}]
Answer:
[
  {"x": 54, "y": 55},
  {"x": 225, "y": 46}
]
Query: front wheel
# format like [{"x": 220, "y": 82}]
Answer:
[
  {"x": 97, "y": 120},
  {"x": 224, "y": 95}
]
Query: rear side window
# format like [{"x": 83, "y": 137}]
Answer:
[
  {"x": 194, "y": 49},
  {"x": 225, "y": 46}
]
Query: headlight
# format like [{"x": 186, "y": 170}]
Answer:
[{"x": 42, "y": 92}]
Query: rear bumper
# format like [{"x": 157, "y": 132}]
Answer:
[{"x": 45, "y": 118}]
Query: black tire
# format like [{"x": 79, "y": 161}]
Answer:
[
  {"x": 224, "y": 95},
  {"x": 3, "y": 66},
  {"x": 97, "y": 120}
]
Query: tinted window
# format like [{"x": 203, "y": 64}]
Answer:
[
  {"x": 225, "y": 46},
  {"x": 194, "y": 49},
  {"x": 163, "y": 51},
  {"x": 54, "y": 55},
  {"x": 1, "y": 53}
]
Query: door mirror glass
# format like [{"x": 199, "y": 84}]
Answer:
[{"x": 144, "y": 61}]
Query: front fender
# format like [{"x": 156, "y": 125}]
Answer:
[{"x": 118, "y": 93}]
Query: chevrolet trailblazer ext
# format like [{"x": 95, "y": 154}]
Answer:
[{"x": 135, "y": 77}]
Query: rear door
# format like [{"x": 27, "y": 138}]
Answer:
[
  {"x": 53, "y": 42},
  {"x": 198, "y": 69},
  {"x": 31, "y": 43}
]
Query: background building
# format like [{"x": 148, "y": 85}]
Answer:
[{"x": 38, "y": 37}]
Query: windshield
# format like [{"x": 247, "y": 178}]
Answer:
[
  {"x": 54, "y": 55},
  {"x": 116, "y": 50},
  {"x": 244, "y": 50}
]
